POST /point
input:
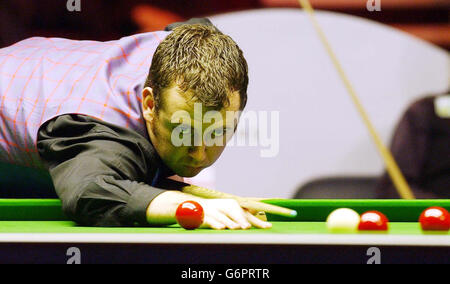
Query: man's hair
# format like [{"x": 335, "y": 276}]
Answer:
[{"x": 203, "y": 60}]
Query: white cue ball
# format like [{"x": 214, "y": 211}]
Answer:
[{"x": 343, "y": 220}]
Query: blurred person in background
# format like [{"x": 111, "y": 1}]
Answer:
[{"x": 421, "y": 146}]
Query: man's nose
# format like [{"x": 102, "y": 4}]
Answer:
[{"x": 198, "y": 153}]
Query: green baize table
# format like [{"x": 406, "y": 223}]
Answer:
[{"x": 36, "y": 231}]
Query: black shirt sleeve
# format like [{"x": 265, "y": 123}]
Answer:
[{"x": 101, "y": 172}]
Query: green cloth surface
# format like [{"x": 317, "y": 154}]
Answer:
[
  {"x": 318, "y": 210},
  {"x": 45, "y": 216},
  {"x": 308, "y": 210}
]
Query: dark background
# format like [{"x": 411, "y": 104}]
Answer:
[{"x": 112, "y": 19}]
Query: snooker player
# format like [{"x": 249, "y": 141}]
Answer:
[{"x": 94, "y": 116}]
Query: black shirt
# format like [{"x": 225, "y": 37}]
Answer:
[{"x": 101, "y": 172}]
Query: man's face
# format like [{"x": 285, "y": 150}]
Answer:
[{"x": 188, "y": 136}]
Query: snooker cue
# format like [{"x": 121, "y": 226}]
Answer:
[
  {"x": 394, "y": 171},
  {"x": 243, "y": 202}
]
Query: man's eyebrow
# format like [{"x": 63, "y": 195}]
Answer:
[{"x": 169, "y": 122}]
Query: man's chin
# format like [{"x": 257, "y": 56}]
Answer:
[{"x": 188, "y": 172}]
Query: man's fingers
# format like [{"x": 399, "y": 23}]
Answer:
[
  {"x": 219, "y": 221},
  {"x": 261, "y": 215},
  {"x": 224, "y": 219},
  {"x": 252, "y": 211},
  {"x": 237, "y": 214},
  {"x": 212, "y": 223},
  {"x": 228, "y": 214},
  {"x": 257, "y": 222}
]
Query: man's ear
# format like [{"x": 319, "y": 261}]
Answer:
[{"x": 148, "y": 104}]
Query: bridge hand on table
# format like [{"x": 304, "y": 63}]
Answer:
[
  {"x": 228, "y": 214},
  {"x": 218, "y": 213}
]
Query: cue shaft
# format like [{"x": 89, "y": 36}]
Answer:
[
  {"x": 394, "y": 171},
  {"x": 243, "y": 202}
]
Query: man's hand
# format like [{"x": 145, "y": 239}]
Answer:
[
  {"x": 228, "y": 214},
  {"x": 219, "y": 213}
]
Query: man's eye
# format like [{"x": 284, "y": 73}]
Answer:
[
  {"x": 218, "y": 132},
  {"x": 185, "y": 129}
]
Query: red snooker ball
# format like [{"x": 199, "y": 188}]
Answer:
[
  {"x": 435, "y": 219},
  {"x": 373, "y": 221},
  {"x": 189, "y": 215}
]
